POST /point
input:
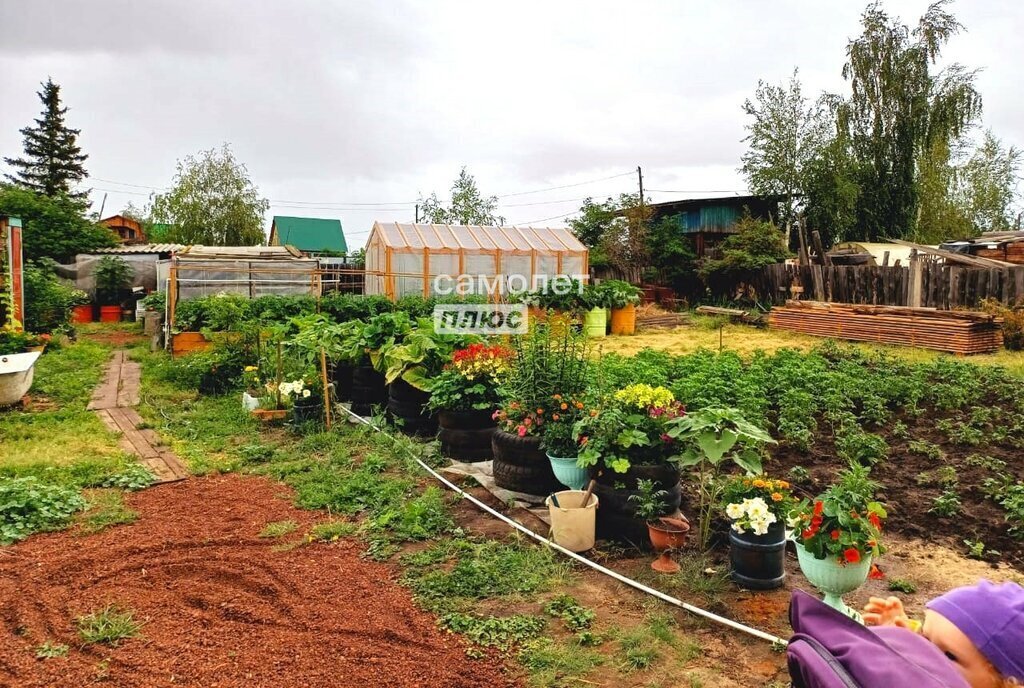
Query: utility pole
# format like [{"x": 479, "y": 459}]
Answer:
[
  {"x": 103, "y": 205},
  {"x": 640, "y": 178},
  {"x": 417, "y": 213}
]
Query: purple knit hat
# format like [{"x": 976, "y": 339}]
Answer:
[{"x": 992, "y": 616}]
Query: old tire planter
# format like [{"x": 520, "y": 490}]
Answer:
[
  {"x": 521, "y": 465},
  {"x": 758, "y": 561},
  {"x": 617, "y": 519},
  {"x": 408, "y": 407},
  {"x": 342, "y": 379},
  {"x": 307, "y": 410},
  {"x": 368, "y": 390},
  {"x": 466, "y": 435}
]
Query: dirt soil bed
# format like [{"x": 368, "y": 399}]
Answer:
[{"x": 221, "y": 606}]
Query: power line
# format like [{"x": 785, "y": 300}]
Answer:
[
  {"x": 566, "y": 186},
  {"x": 692, "y": 191},
  {"x": 545, "y": 219}
]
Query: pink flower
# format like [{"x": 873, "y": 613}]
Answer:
[
  {"x": 522, "y": 431},
  {"x": 665, "y": 438},
  {"x": 495, "y": 415},
  {"x": 527, "y": 421}
]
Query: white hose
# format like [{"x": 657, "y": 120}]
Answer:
[{"x": 583, "y": 560}]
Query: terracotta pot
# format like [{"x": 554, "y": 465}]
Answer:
[
  {"x": 667, "y": 534},
  {"x": 82, "y": 313},
  {"x": 269, "y": 415},
  {"x": 624, "y": 320},
  {"x": 110, "y": 314}
]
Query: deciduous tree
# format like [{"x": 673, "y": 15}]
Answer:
[{"x": 467, "y": 207}]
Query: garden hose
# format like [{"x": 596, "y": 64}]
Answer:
[{"x": 735, "y": 625}]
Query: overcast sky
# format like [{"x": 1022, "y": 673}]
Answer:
[{"x": 354, "y": 109}]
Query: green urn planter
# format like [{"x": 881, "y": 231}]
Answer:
[
  {"x": 833, "y": 578},
  {"x": 568, "y": 473}
]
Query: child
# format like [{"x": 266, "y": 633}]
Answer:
[{"x": 980, "y": 628}]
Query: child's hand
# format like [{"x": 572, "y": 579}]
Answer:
[{"x": 886, "y": 612}]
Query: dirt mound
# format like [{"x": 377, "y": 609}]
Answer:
[{"x": 221, "y": 606}]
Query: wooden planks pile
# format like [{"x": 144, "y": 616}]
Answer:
[{"x": 958, "y": 332}]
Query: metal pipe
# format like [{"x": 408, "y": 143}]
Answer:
[{"x": 583, "y": 560}]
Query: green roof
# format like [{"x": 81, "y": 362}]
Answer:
[{"x": 310, "y": 234}]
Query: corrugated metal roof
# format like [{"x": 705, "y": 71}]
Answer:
[
  {"x": 477, "y": 237},
  {"x": 308, "y": 233},
  {"x": 142, "y": 248}
]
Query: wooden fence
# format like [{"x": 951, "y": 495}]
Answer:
[{"x": 924, "y": 283}]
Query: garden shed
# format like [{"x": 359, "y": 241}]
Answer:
[{"x": 404, "y": 259}]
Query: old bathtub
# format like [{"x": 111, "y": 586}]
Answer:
[{"x": 16, "y": 376}]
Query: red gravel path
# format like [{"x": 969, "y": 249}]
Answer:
[{"x": 221, "y": 606}]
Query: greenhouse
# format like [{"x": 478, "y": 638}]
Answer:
[{"x": 404, "y": 259}]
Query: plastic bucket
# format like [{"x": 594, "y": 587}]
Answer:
[
  {"x": 110, "y": 314},
  {"x": 624, "y": 320},
  {"x": 573, "y": 526},
  {"x": 595, "y": 322}
]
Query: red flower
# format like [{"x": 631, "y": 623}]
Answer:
[
  {"x": 875, "y": 521},
  {"x": 819, "y": 507},
  {"x": 851, "y": 555},
  {"x": 835, "y": 534},
  {"x": 876, "y": 573},
  {"x": 808, "y": 533}
]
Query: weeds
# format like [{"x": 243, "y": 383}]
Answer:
[
  {"x": 134, "y": 477},
  {"x": 502, "y": 633},
  {"x": 110, "y": 625},
  {"x": 903, "y": 585},
  {"x": 28, "y": 506},
  {"x": 575, "y": 616},
  {"x": 49, "y": 650},
  {"x": 330, "y": 531},
  {"x": 105, "y": 509},
  {"x": 278, "y": 529},
  {"x": 554, "y": 664}
]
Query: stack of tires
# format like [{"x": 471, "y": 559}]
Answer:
[
  {"x": 341, "y": 376},
  {"x": 368, "y": 390},
  {"x": 617, "y": 519},
  {"x": 407, "y": 406},
  {"x": 466, "y": 435},
  {"x": 521, "y": 465}
]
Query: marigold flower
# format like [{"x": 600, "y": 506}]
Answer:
[
  {"x": 777, "y": 497},
  {"x": 555, "y": 416},
  {"x": 782, "y": 484},
  {"x": 579, "y": 404},
  {"x": 563, "y": 406},
  {"x": 593, "y": 413},
  {"x": 540, "y": 412},
  {"x": 759, "y": 483}
]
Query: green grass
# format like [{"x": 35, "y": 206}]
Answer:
[
  {"x": 109, "y": 625},
  {"x": 278, "y": 529},
  {"x": 500, "y": 632},
  {"x": 50, "y": 650},
  {"x": 106, "y": 508},
  {"x": 554, "y": 664},
  {"x": 329, "y": 531},
  {"x": 64, "y": 443}
]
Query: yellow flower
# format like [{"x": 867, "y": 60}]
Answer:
[
  {"x": 250, "y": 369},
  {"x": 782, "y": 484},
  {"x": 760, "y": 483}
]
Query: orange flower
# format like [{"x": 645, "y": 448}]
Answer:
[
  {"x": 593, "y": 413},
  {"x": 835, "y": 534},
  {"x": 782, "y": 484},
  {"x": 777, "y": 497},
  {"x": 563, "y": 406},
  {"x": 540, "y": 412},
  {"x": 759, "y": 483},
  {"x": 579, "y": 404},
  {"x": 876, "y": 573},
  {"x": 555, "y": 416}
]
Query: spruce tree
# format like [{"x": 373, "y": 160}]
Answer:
[{"x": 53, "y": 160}]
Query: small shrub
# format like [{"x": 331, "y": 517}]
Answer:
[
  {"x": 502, "y": 633},
  {"x": 110, "y": 625},
  {"x": 28, "y": 506},
  {"x": 575, "y": 616},
  {"x": 1013, "y": 323},
  {"x": 902, "y": 585},
  {"x": 946, "y": 504},
  {"x": 134, "y": 477}
]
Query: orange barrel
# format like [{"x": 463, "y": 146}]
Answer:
[
  {"x": 624, "y": 320},
  {"x": 110, "y": 314}
]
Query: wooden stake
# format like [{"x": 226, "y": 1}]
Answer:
[{"x": 327, "y": 393}]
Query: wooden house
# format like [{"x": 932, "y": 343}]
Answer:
[
  {"x": 127, "y": 230},
  {"x": 710, "y": 220}
]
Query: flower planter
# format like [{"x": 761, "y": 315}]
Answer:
[
  {"x": 521, "y": 465},
  {"x": 368, "y": 390},
  {"x": 308, "y": 409},
  {"x": 617, "y": 519},
  {"x": 833, "y": 578},
  {"x": 568, "y": 473},
  {"x": 187, "y": 342},
  {"x": 270, "y": 415},
  {"x": 595, "y": 322},
  {"x": 82, "y": 314},
  {"x": 759, "y": 561},
  {"x": 110, "y": 314},
  {"x": 342, "y": 378},
  {"x": 667, "y": 534},
  {"x": 624, "y": 320},
  {"x": 466, "y": 435},
  {"x": 408, "y": 407},
  {"x": 16, "y": 372}
]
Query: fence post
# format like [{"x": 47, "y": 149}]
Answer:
[{"x": 914, "y": 292}]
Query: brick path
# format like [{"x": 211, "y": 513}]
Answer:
[{"x": 114, "y": 401}]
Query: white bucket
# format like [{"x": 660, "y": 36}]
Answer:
[{"x": 573, "y": 525}]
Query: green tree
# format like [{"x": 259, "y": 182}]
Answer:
[
  {"x": 786, "y": 133},
  {"x": 213, "y": 202},
  {"x": 468, "y": 206},
  {"x": 899, "y": 110},
  {"x": 988, "y": 184},
  {"x": 755, "y": 245},
  {"x": 53, "y": 227},
  {"x": 53, "y": 161},
  {"x": 626, "y": 239},
  {"x": 830, "y": 186}
]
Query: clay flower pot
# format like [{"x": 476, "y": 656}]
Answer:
[
  {"x": 667, "y": 534},
  {"x": 269, "y": 415}
]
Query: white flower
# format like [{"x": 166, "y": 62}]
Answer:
[
  {"x": 759, "y": 526},
  {"x": 305, "y": 393},
  {"x": 794, "y": 522},
  {"x": 757, "y": 508},
  {"x": 738, "y": 528},
  {"x": 734, "y": 511},
  {"x": 771, "y": 518}
]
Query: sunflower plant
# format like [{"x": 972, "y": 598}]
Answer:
[{"x": 844, "y": 522}]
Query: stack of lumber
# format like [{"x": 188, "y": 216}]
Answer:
[
  {"x": 958, "y": 332},
  {"x": 1011, "y": 252}
]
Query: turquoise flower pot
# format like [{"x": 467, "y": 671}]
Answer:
[
  {"x": 834, "y": 579},
  {"x": 568, "y": 473}
]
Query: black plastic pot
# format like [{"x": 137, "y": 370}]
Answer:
[
  {"x": 759, "y": 561},
  {"x": 408, "y": 407},
  {"x": 616, "y": 519},
  {"x": 521, "y": 465},
  {"x": 342, "y": 379},
  {"x": 309, "y": 409},
  {"x": 368, "y": 390},
  {"x": 466, "y": 435}
]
